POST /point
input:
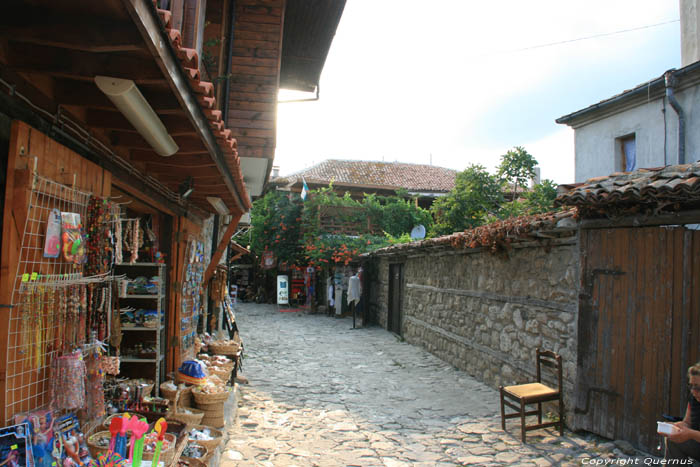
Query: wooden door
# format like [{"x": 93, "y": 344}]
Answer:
[
  {"x": 395, "y": 295},
  {"x": 638, "y": 329}
]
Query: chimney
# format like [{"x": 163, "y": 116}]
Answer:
[
  {"x": 536, "y": 179},
  {"x": 275, "y": 171},
  {"x": 690, "y": 31}
]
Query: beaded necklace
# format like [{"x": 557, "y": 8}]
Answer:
[
  {"x": 26, "y": 310},
  {"x": 118, "y": 257}
]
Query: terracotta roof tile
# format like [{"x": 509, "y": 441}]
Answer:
[
  {"x": 498, "y": 235},
  {"x": 205, "y": 97},
  {"x": 652, "y": 188},
  {"x": 413, "y": 177}
]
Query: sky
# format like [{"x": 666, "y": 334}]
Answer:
[{"x": 460, "y": 82}]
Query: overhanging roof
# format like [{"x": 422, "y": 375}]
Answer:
[
  {"x": 309, "y": 27},
  {"x": 52, "y": 52},
  {"x": 655, "y": 89}
]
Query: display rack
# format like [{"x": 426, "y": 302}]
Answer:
[
  {"x": 28, "y": 384},
  {"x": 135, "y": 300}
]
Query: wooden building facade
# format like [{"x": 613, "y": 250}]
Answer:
[{"x": 199, "y": 65}]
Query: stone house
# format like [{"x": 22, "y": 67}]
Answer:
[
  {"x": 612, "y": 285},
  {"x": 650, "y": 125}
]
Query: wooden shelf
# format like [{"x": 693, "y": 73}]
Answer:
[
  {"x": 145, "y": 296},
  {"x": 141, "y": 328},
  {"x": 139, "y": 360}
]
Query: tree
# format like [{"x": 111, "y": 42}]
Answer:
[
  {"x": 476, "y": 194},
  {"x": 516, "y": 168},
  {"x": 536, "y": 201},
  {"x": 541, "y": 198}
]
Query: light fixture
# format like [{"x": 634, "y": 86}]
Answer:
[
  {"x": 128, "y": 99},
  {"x": 186, "y": 188},
  {"x": 218, "y": 204}
]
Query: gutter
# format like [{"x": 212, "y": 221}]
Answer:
[
  {"x": 670, "y": 82},
  {"x": 650, "y": 90}
]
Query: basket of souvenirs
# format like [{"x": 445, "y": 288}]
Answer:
[
  {"x": 205, "y": 435},
  {"x": 194, "y": 450},
  {"x": 224, "y": 347}
]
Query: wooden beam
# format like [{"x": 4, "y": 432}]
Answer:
[
  {"x": 88, "y": 34},
  {"x": 69, "y": 92},
  {"x": 230, "y": 230},
  {"x": 136, "y": 141},
  {"x": 85, "y": 65},
  {"x": 150, "y": 157},
  {"x": 98, "y": 118},
  {"x": 203, "y": 175}
]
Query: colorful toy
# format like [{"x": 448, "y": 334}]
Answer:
[{"x": 160, "y": 428}]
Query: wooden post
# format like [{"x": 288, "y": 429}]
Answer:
[{"x": 222, "y": 247}]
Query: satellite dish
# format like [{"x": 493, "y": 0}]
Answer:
[{"x": 418, "y": 232}]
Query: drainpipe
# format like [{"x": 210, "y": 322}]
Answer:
[
  {"x": 670, "y": 81},
  {"x": 229, "y": 58}
]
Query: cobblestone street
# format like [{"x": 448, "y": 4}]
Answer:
[{"x": 322, "y": 394}]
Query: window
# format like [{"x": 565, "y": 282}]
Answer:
[{"x": 626, "y": 147}]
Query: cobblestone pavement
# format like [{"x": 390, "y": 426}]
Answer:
[{"x": 322, "y": 394}]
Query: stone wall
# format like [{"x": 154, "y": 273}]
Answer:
[{"x": 486, "y": 314}]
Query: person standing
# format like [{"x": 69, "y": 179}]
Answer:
[{"x": 684, "y": 442}]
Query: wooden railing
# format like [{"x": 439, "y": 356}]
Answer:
[{"x": 345, "y": 220}]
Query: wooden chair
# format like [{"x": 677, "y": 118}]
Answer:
[{"x": 534, "y": 393}]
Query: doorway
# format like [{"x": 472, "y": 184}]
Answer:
[{"x": 395, "y": 294}]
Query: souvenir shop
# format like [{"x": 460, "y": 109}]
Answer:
[{"x": 103, "y": 297}]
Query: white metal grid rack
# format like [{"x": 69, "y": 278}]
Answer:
[{"x": 36, "y": 278}]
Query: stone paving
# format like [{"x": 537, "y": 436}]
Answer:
[{"x": 323, "y": 394}]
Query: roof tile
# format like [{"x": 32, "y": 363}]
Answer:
[
  {"x": 655, "y": 188},
  {"x": 413, "y": 177}
]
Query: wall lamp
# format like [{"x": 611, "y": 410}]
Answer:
[
  {"x": 218, "y": 204},
  {"x": 128, "y": 99}
]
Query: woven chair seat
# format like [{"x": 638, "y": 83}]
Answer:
[{"x": 530, "y": 390}]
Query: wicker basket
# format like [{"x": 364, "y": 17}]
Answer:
[
  {"x": 210, "y": 444},
  {"x": 191, "y": 463},
  {"x": 193, "y": 418},
  {"x": 168, "y": 393},
  {"x": 147, "y": 387},
  {"x": 219, "y": 348},
  {"x": 166, "y": 455},
  {"x": 217, "y": 421},
  {"x": 207, "y": 399},
  {"x": 223, "y": 375},
  {"x": 95, "y": 446},
  {"x": 200, "y": 447}
]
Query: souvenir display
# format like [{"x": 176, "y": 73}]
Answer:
[
  {"x": 192, "y": 291},
  {"x": 52, "y": 243},
  {"x": 109, "y": 285},
  {"x": 73, "y": 449},
  {"x": 72, "y": 240},
  {"x": 41, "y": 433},
  {"x": 101, "y": 216},
  {"x": 68, "y": 376},
  {"x": 15, "y": 446}
]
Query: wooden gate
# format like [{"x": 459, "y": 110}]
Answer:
[
  {"x": 395, "y": 292},
  {"x": 639, "y": 329}
]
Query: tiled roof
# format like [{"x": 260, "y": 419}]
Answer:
[
  {"x": 413, "y": 177},
  {"x": 204, "y": 92},
  {"x": 666, "y": 188},
  {"x": 498, "y": 235}
]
